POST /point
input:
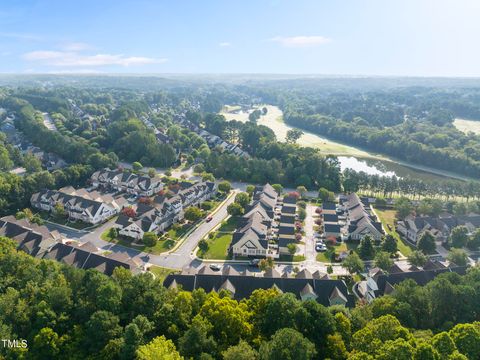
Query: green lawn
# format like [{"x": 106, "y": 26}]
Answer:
[
  {"x": 217, "y": 247},
  {"x": 230, "y": 225},
  {"x": 160, "y": 247},
  {"x": 160, "y": 272},
  {"x": 290, "y": 258},
  {"x": 176, "y": 234},
  {"x": 387, "y": 217},
  {"x": 338, "y": 248},
  {"x": 62, "y": 220}
]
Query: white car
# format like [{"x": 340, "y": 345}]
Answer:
[{"x": 320, "y": 247}]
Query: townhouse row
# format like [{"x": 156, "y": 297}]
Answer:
[
  {"x": 164, "y": 211},
  {"x": 351, "y": 219},
  {"x": 41, "y": 243},
  {"x": 267, "y": 227},
  {"x": 79, "y": 204}
]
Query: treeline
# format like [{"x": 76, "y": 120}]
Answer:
[
  {"x": 281, "y": 163},
  {"x": 387, "y": 186},
  {"x": 72, "y": 150},
  {"x": 69, "y": 313},
  {"x": 420, "y": 143},
  {"x": 15, "y": 191}
]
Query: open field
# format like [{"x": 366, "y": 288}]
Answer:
[
  {"x": 217, "y": 247},
  {"x": 467, "y": 126},
  {"x": 274, "y": 120}
]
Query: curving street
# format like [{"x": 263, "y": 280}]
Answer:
[{"x": 176, "y": 259}]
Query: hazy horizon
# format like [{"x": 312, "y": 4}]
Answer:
[{"x": 424, "y": 38}]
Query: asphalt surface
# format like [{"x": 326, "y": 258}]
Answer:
[
  {"x": 177, "y": 259},
  {"x": 310, "y": 253}
]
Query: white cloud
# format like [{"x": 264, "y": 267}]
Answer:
[
  {"x": 225, "y": 44},
  {"x": 301, "y": 41},
  {"x": 74, "y": 59}
]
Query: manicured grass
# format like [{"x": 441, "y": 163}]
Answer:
[
  {"x": 217, "y": 247},
  {"x": 61, "y": 220},
  {"x": 338, "y": 248},
  {"x": 160, "y": 247},
  {"x": 229, "y": 225},
  {"x": 387, "y": 217},
  {"x": 290, "y": 258},
  {"x": 160, "y": 272},
  {"x": 176, "y": 234}
]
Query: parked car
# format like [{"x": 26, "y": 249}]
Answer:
[
  {"x": 319, "y": 242},
  {"x": 215, "y": 267},
  {"x": 254, "y": 262},
  {"x": 209, "y": 218},
  {"x": 321, "y": 247}
]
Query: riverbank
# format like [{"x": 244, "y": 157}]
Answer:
[{"x": 386, "y": 166}]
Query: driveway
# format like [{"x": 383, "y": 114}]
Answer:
[
  {"x": 310, "y": 254},
  {"x": 66, "y": 231}
]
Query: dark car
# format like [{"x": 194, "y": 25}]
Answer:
[
  {"x": 215, "y": 267},
  {"x": 254, "y": 262}
]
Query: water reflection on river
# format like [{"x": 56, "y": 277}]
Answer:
[
  {"x": 384, "y": 168},
  {"x": 371, "y": 167}
]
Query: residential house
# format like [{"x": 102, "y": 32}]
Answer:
[
  {"x": 252, "y": 237},
  {"x": 83, "y": 259},
  {"x": 131, "y": 183},
  {"x": 332, "y": 230},
  {"x": 413, "y": 227},
  {"x": 89, "y": 207},
  {"x": 286, "y": 224},
  {"x": 240, "y": 286},
  {"x": 31, "y": 238},
  {"x": 165, "y": 211},
  {"x": 361, "y": 219},
  {"x": 379, "y": 283},
  {"x": 329, "y": 208},
  {"x": 255, "y": 236}
]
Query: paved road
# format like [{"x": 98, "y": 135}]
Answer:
[
  {"x": 177, "y": 259},
  {"x": 67, "y": 232},
  {"x": 310, "y": 253},
  {"x": 183, "y": 256}
]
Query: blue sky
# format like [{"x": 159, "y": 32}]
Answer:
[{"x": 351, "y": 37}]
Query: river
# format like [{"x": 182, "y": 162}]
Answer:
[{"x": 349, "y": 157}]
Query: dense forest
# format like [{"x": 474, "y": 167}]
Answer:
[
  {"x": 68, "y": 313},
  {"x": 412, "y": 124}
]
